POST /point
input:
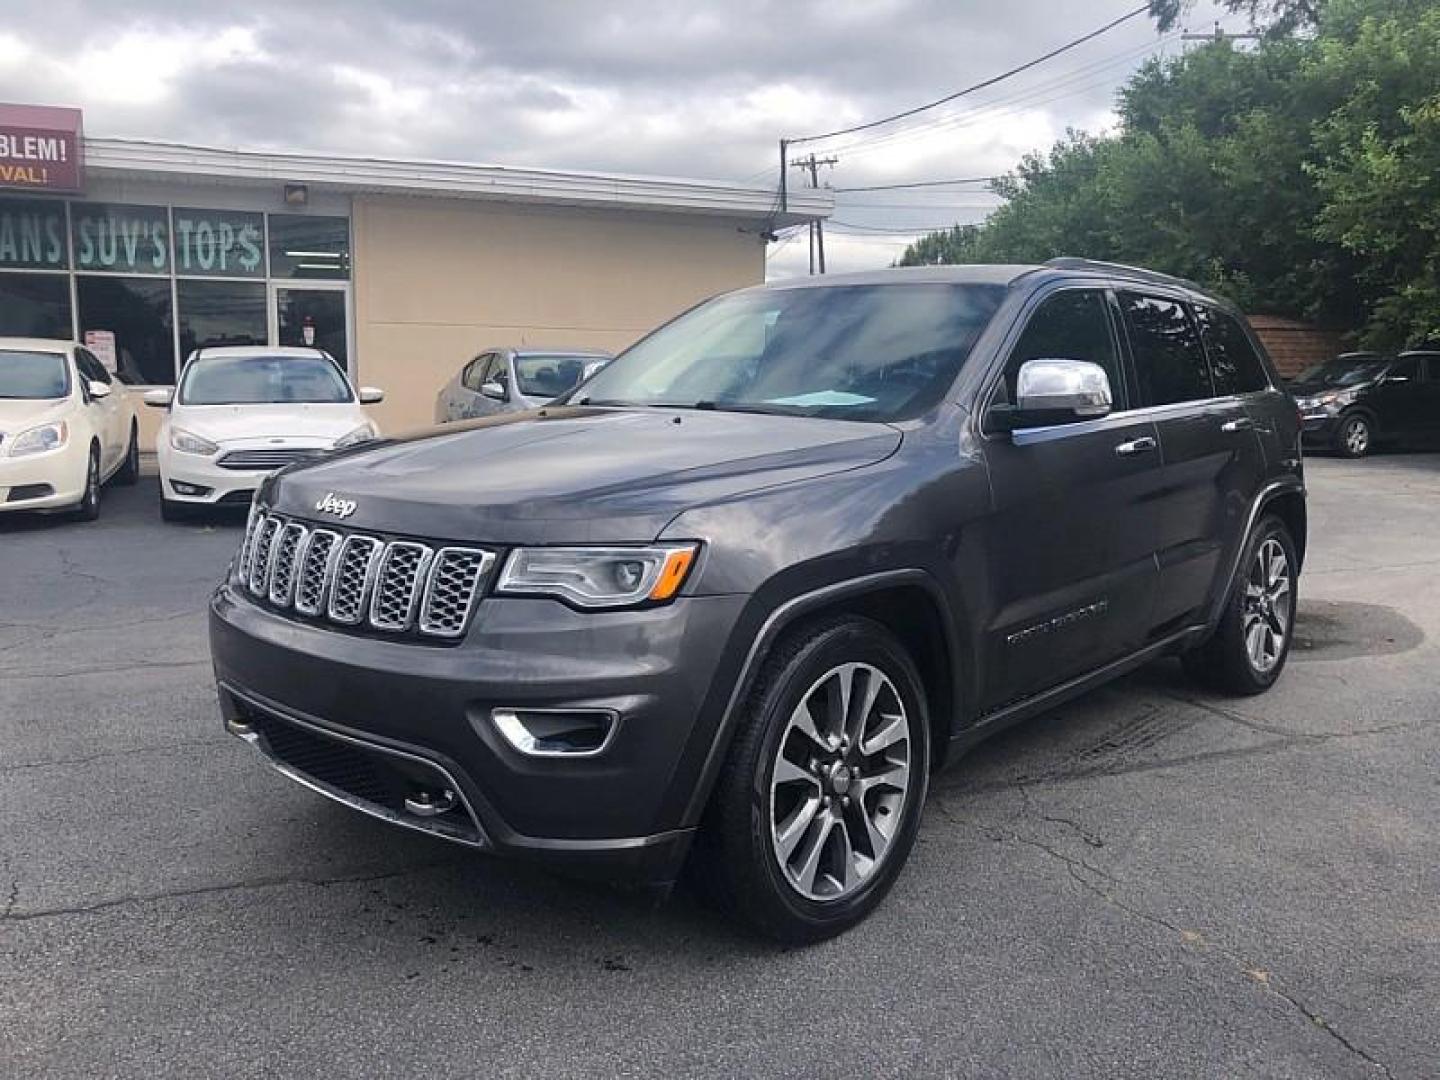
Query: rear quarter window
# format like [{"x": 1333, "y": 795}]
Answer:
[{"x": 1234, "y": 363}]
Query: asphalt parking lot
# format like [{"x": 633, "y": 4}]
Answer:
[{"x": 1148, "y": 882}]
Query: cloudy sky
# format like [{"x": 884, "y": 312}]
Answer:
[{"x": 643, "y": 86}]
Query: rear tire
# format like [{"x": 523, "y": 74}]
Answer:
[
  {"x": 811, "y": 821},
  {"x": 1355, "y": 436},
  {"x": 1252, "y": 641},
  {"x": 129, "y": 471},
  {"x": 88, "y": 508}
]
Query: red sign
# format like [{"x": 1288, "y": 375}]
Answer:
[{"x": 41, "y": 148}]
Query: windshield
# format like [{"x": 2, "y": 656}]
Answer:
[
  {"x": 550, "y": 376},
  {"x": 257, "y": 380},
  {"x": 863, "y": 352},
  {"x": 1343, "y": 371},
  {"x": 33, "y": 375}
]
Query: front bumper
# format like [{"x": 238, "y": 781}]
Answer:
[
  {"x": 45, "y": 481},
  {"x": 1319, "y": 426},
  {"x": 422, "y": 710},
  {"x": 208, "y": 483}
]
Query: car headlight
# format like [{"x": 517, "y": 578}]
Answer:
[
  {"x": 37, "y": 440},
  {"x": 363, "y": 433},
  {"x": 594, "y": 577},
  {"x": 187, "y": 442}
]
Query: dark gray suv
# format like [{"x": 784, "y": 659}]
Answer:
[{"x": 732, "y": 601}]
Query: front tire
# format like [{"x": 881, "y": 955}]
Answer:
[
  {"x": 1252, "y": 642},
  {"x": 1355, "y": 436},
  {"x": 88, "y": 508},
  {"x": 819, "y": 801},
  {"x": 129, "y": 472}
]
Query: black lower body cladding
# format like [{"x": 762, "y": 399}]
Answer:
[{"x": 616, "y": 814}]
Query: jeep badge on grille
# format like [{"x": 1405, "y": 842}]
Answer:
[{"x": 341, "y": 508}]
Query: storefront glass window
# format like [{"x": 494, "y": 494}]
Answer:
[
  {"x": 32, "y": 234},
  {"x": 219, "y": 312},
  {"x": 121, "y": 239},
  {"x": 313, "y": 317},
  {"x": 35, "y": 305},
  {"x": 219, "y": 243},
  {"x": 309, "y": 246},
  {"x": 137, "y": 311}
]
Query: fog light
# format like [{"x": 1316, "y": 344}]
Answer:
[
  {"x": 182, "y": 488},
  {"x": 556, "y": 732}
]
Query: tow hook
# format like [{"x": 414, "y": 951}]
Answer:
[{"x": 430, "y": 803}]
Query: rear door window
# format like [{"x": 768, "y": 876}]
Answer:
[
  {"x": 1234, "y": 363},
  {"x": 1170, "y": 363}
]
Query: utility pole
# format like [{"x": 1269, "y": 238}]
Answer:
[
  {"x": 1219, "y": 35},
  {"x": 817, "y": 232}
]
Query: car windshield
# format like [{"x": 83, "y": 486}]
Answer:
[
  {"x": 34, "y": 376},
  {"x": 552, "y": 375},
  {"x": 863, "y": 352},
  {"x": 257, "y": 380},
  {"x": 1343, "y": 371}
]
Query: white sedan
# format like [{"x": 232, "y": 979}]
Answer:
[
  {"x": 241, "y": 412},
  {"x": 67, "y": 425}
]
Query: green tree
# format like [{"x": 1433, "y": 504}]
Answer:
[{"x": 1299, "y": 177}]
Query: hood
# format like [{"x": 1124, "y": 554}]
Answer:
[
  {"x": 574, "y": 475},
  {"x": 258, "y": 424},
  {"x": 18, "y": 414}
]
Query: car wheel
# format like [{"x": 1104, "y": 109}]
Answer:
[
  {"x": 819, "y": 801},
  {"x": 1251, "y": 643},
  {"x": 1355, "y": 436},
  {"x": 129, "y": 472},
  {"x": 88, "y": 508}
]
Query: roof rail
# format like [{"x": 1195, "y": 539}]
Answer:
[{"x": 1137, "y": 273}]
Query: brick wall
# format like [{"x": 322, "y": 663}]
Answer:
[{"x": 1295, "y": 345}]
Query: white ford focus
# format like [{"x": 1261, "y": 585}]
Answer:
[
  {"x": 240, "y": 412},
  {"x": 66, "y": 426}
]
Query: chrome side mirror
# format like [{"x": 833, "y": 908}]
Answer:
[
  {"x": 493, "y": 389},
  {"x": 371, "y": 395},
  {"x": 159, "y": 398},
  {"x": 98, "y": 389},
  {"x": 1054, "y": 390}
]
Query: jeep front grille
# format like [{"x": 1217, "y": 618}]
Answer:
[{"x": 358, "y": 580}]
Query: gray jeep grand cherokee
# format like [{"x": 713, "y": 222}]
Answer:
[{"x": 735, "y": 598}]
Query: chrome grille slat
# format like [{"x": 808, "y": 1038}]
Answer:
[
  {"x": 317, "y": 569},
  {"x": 397, "y": 585},
  {"x": 355, "y": 579},
  {"x": 285, "y": 558},
  {"x": 456, "y": 578},
  {"x": 267, "y": 459},
  {"x": 359, "y": 556},
  {"x": 259, "y": 574}
]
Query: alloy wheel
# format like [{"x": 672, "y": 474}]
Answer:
[
  {"x": 840, "y": 780},
  {"x": 1357, "y": 436},
  {"x": 1269, "y": 595}
]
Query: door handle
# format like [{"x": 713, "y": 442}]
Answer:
[
  {"x": 1136, "y": 446},
  {"x": 1242, "y": 424}
]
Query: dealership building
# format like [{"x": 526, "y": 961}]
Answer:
[{"x": 405, "y": 270}]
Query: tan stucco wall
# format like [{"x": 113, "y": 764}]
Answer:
[{"x": 437, "y": 281}]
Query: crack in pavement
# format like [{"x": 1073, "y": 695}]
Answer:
[
  {"x": 1260, "y": 976},
  {"x": 1290, "y": 733},
  {"x": 78, "y": 672},
  {"x": 277, "y": 882},
  {"x": 157, "y": 749}
]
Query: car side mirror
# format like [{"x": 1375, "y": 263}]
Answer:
[
  {"x": 1055, "y": 390},
  {"x": 494, "y": 389},
  {"x": 371, "y": 395},
  {"x": 98, "y": 389},
  {"x": 160, "y": 398}
]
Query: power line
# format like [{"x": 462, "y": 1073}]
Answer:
[
  {"x": 919, "y": 184},
  {"x": 910, "y": 231},
  {"x": 977, "y": 86}
]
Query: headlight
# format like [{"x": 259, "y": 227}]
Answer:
[
  {"x": 363, "y": 433},
  {"x": 598, "y": 577},
  {"x": 39, "y": 439},
  {"x": 189, "y": 443}
]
